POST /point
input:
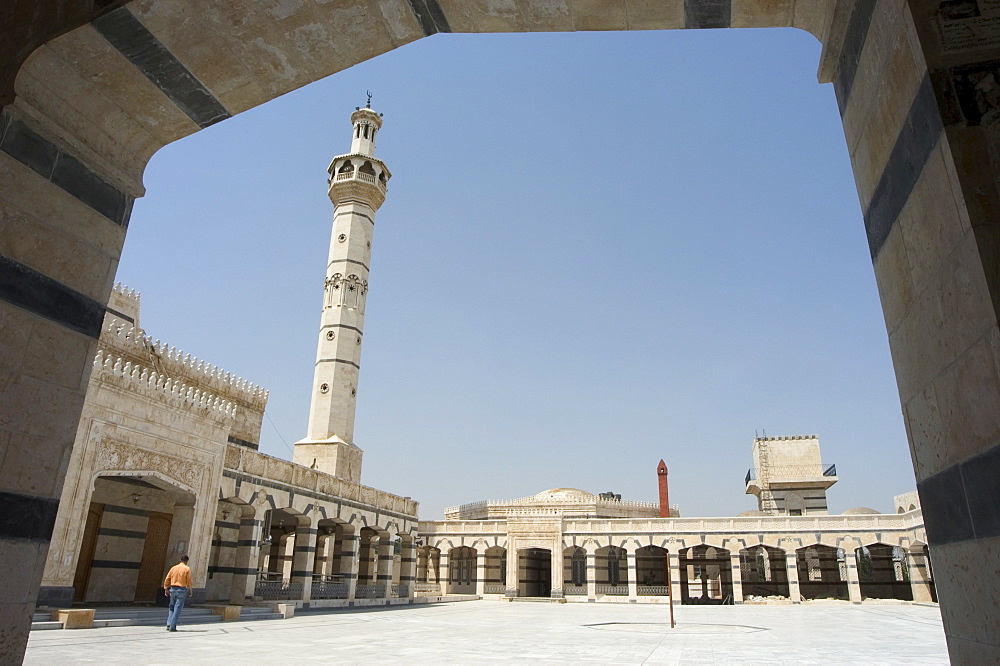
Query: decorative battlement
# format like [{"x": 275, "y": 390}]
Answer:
[
  {"x": 124, "y": 305},
  {"x": 123, "y": 291},
  {"x": 561, "y": 501},
  {"x": 785, "y": 439},
  {"x": 173, "y": 362},
  {"x": 150, "y": 379}
]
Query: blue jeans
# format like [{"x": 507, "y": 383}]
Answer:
[{"x": 177, "y": 597}]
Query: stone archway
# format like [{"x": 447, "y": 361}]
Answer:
[
  {"x": 921, "y": 138},
  {"x": 135, "y": 528}
]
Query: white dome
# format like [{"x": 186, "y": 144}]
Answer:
[{"x": 565, "y": 495}]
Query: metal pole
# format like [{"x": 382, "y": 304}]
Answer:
[{"x": 670, "y": 592}]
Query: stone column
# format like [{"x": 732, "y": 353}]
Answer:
[
  {"x": 408, "y": 567},
  {"x": 480, "y": 572},
  {"x": 675, "y": 576},
  {"x": 64, "y": 227},
  {"x": 302, "y": 559},
  {"x": 853, "y": 583},
  {"x": 633, "y": 584},
  {"x": 191, "y": 534},
  {"x": 444, "y": 575},
  {"x": 736, "y": 575},
  {"x": 921, "y": 130},
  {"x": 920, "y": 581},
  {"x": 558, "y": 572},
  {"x": 792, "y": 570},
  {"x": 512, "y": 573},
  {"x": 287, "y": 551},
  {"x": 383, "y": 575},
  {"x": 245, "y": 576},
  {"x": 591, "y": 575},
  {"x": 350, "y": 559}
]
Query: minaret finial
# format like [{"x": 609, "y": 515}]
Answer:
[{"x": 369, "y": 104}]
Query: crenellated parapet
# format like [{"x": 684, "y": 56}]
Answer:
[
  {"x": 558, "y": 501},
  {"x": 176, "y": 392},
  {"x": 133, "y": 343}
]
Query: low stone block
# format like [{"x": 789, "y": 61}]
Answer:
[
  {"x": 75, "y": 618},
  {"x": 228, "y": 613},
  {"x": 287, "y": 610}
]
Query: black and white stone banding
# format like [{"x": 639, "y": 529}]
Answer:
[
  {"x": 707, "y": 13},
  {"x": 63, "y": 170},
  {"x": 134, "y": 41},
  {"x": 430, "y": 16}
]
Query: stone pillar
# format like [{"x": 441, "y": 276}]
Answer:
[
  {"x": 792, "y": 570},
  {"x": 191, "y": 534},
  {"x": 920, "y": 581},
  {"x": 558, "y": 572},
  {"x": 383, "y": 575},
  {"x": 633, "y": 584},
  {"x": 736, "y": 574},
  {"x": 287, "y": 551},
  {"x": 350, "y": 559},
  {"x": 921, "y": 130},
  {"x": 245, "y": 576},
  {"x": 444, "y": 575},
  {"x": 512, "y": 573},
  {"x": 64, "y": 227},
  {"x": 591, "y": 575},
  {"x": 480, "y": 572},
  {"x": 408, "y": 567},
  {"x": 302, "y": 559},
  {"x": 675, "y": 576},
  {"x": 853, "y": 583}
]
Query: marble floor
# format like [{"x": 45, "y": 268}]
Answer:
[{"x": 493, "y": 631}]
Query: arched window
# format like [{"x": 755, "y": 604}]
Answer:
[
  {"x": 579, "y": 567},
  {"x": 614, "y": 572},
  {"x": 899, "y": 564},
  {"x": 842, "y": 563}
]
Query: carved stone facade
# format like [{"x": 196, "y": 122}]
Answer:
[
  {"x": 156, "y": 472},
  {"x": 571, "y": 544}
]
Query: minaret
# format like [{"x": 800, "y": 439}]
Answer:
[
  {"x": 357, "y": 189},
  {"x": 661, "y": 473}
]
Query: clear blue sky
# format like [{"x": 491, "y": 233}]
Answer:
[{"x": 598, "y": 250}]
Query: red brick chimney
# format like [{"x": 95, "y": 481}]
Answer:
[{"x": 661, "y": 472}]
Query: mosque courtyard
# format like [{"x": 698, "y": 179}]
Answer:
[{"x": 478, "y": 631}]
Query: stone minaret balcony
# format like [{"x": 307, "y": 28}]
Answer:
[{"x": 359, "y": 176}]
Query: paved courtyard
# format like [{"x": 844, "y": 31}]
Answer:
[{"x": 477, "y": 631}]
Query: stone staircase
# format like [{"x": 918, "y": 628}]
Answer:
[{"x": 141, "y": 617}]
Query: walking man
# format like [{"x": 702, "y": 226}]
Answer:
[{"x": 177, "y": 585}]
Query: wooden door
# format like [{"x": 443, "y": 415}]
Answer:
[
  {"x": 86, "y": 557},
  {"x": 154, "y": 557}
]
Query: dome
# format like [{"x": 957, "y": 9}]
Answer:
[
  {"x": 859, "y": 511},
  {"x": 565, "y": 495}
]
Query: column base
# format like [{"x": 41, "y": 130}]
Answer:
[{"x": 56, "y": 596}]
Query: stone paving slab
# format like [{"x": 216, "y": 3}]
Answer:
[{"x": 489, "y": 631}]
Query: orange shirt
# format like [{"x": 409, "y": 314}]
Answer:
[{"x": 178, "y": 576}]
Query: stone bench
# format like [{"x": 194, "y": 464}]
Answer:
[
  {"x": 74, "y": 618},
  {"x": 287, "y": 610},
  {"x": 228, "y": 613}
]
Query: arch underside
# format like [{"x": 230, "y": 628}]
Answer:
[{"x": 148, "y": 73}]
